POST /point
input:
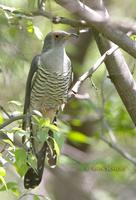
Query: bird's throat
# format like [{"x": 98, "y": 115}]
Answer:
[{"x": 55, "y": 60}]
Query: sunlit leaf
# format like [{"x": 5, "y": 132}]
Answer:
[
  {"x": 56, "y": 147},
  {"x": 3, "y": 181},
  {"x": 53, "y": 127},
  {"x": 46, "y": 123},
  {"x": 78, "y": 137},
  {"x": 13, "y": 186},
  {"x": 2, "y": 171},
  {"x": 29, "y": 26},
  {"x": 76, "y": 122},
  {"x": 1, "y": 119},
  {"x": 133, "y": 37}
]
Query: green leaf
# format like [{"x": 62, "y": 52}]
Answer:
[
  {"x": 32, "y": 161},
  {"x": 133, "y": 37},
  {"x": 20, "y": 156},
  {"x": 56, "y": 147},
  {"x": 21, "y": 161},
  {"x": 38, "y": 33},
  {"x": 13, "y": 186},
  {"x": 42, "y": 135},
  {"x": 29, "y": 26},
  {"x": 1, "y": 119},
  {"x": 30, "y": 29},
  {"x": 36, "y": 197},
  {"x": 76, "y": 136},
  {"x": 76, "y": 122},
  {"x": 3, "y": 181},
  {"x": 53, "y": 152},
  {"x": 2, "y": 171},
  {"x": 60, "y": 139},
  {"x": 53, "y": 127},
  {"x": 46, "y": 123},
  {"x": 10, "y": 185}
]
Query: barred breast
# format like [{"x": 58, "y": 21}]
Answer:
[{"x": 49, "y": 89}]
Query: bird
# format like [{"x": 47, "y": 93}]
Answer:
[{"x": 47, "y": 87}]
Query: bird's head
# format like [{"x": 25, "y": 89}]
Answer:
[{"x": 56, "y": 39}]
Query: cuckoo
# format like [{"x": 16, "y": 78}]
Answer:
[{"x": 47, "y": 87}]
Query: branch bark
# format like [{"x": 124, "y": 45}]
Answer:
[
  {"x": 87, "y": 74},
  {"x": 119, "y": 72},
  {"x": 120, "y": 76},
  {"x": 100, "y": 23}
]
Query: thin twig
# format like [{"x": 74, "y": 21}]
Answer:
[
  {"x": 89, "y": 73},
  {"x": 62, "y": 20},
  {"x": 113, "y": 143},
  {"x": 121, "y": 151},
  {"x": 54, "y": 18},
  {"x": 3, "y": 110},
  {"x": 13, "y": 119}
]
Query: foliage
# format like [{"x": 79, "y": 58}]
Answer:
[{"x": 83, "y": 120}]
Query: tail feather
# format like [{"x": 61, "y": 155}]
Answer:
[{"x": 33, "y": 177}]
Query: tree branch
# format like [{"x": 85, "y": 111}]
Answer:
[
  {"x": 100, "y": 23},
  {"x": 54, "y": 18},
  {"x": 123, "y": 26},
  {"x": 121, "y": 151},
  {"x": 13, "y": 119},
  {"x": 120, "y": 75},
  {"x": 89, "y": 73},
  {"x": 4, "y": 111}
]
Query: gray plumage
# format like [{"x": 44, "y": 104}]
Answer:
[
  {"x": 52, "y": 80},
  {"x": 46, "y": 90}
]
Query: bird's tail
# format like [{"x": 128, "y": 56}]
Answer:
[{"x": 33, "y": 177}]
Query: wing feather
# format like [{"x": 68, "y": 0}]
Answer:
[{"x": 32, "y": 71}]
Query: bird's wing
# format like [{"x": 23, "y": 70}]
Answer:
[
  {"x": 71, "y": 77},
  {"x": 33, "y": 69}
]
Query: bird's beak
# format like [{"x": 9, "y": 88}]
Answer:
[
  {"x": 74, "y": 35},
  {"x": 71, "y": 35}
]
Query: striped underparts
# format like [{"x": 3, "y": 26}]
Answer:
[{"x": 49, "y": 89}]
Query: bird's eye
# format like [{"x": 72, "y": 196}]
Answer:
[{"x": 56, "y": 36}]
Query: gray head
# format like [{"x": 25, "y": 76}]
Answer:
[{"x": 56, "y": 38}]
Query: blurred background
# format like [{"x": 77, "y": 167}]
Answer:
[{"x": 89, "y": 169}]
